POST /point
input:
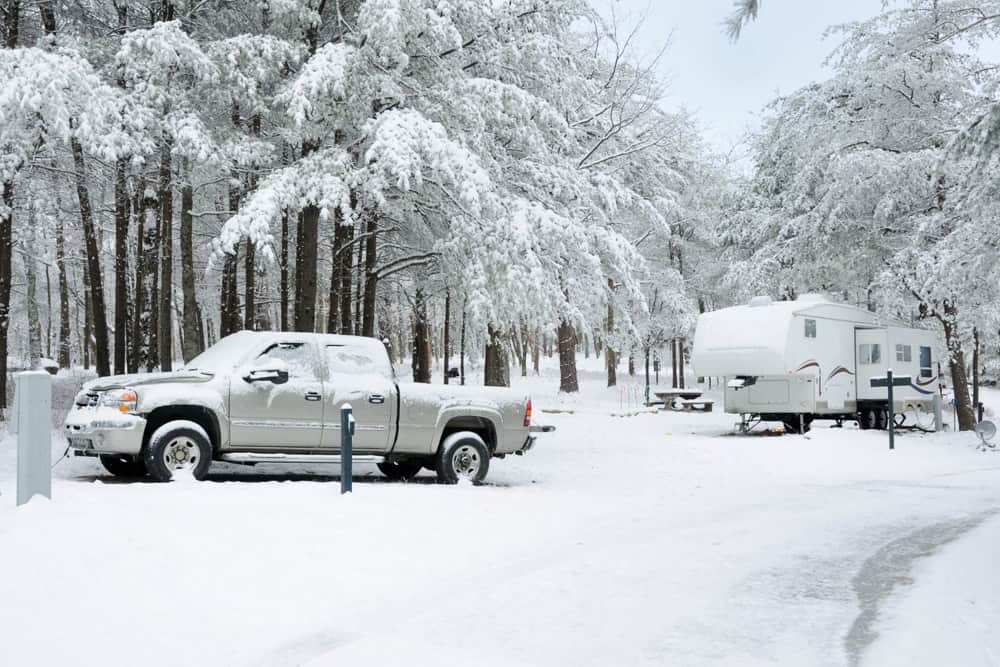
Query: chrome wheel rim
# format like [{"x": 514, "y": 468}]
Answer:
[
  {"x": 181, "y": 454},
  {"x": 465, "y": 461}
]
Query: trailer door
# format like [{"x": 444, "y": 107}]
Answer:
[{"x": 872, "y": 359}]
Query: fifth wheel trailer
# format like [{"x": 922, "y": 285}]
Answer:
[{"x": 796, "y": 361}]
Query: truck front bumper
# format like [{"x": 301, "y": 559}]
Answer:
[{"x": 91, "y": 432}]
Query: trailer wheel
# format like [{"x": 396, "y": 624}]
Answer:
[
  {"x": 881, "y": 420},
  {"x": 867, "y": 419}
]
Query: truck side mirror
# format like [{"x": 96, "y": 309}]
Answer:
[{"x": 274, "y": 376}]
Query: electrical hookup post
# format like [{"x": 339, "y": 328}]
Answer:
[
  {"x": 32, "y": 423},
  {"x": 346, "y": 447},
  {"x": 890, "y": 381}
]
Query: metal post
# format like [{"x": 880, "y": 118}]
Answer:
[
  {"x": 891, "y": 414},
  {"x": 33, "y": 425},
  {"x": 938, "y": 416},
  {"x": 346, "y": 447}
]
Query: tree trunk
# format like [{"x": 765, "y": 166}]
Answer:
[
  {"x": 680, "y": 362},
  {"x": 283, "y": 267},
  {"x": 165, "y": 318},
  {"x": 138, "y": 304},
  {"x": 421, "y": 361},
  {"x": 122, "y": 214},
  {"x": 447, "y": 334},
  {"x": 346, "y": 260},
  {"x": 461, "y": 351},
  {"x": 249, "y": 287},
  {"x": 147, "y": 312},
  {"x": 975, "y": 371},
  {"x": 6, "y": 275},
  {"x": 959, "y": 379},
  {"x": 192, "y": 341},
  {"x": 306, "y": 269},
  {"x": 610, "y": 357},
  {"x": 536, "y": 353},
  {"x": 566, "y": 337},
  {"x": 93, "y": 263},
  {"x": 34, "y": 320},
  {"x": 673, "y": 363},
  {"x": 371, "y": 277},
  {"x": 87, "y": 319},
  {"x": 497, "y": 367},
  {"x": 229, "y": 308}
]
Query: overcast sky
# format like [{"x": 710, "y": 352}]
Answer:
[{"x": 728, "y": 84}]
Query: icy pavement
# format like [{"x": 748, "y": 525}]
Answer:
[{"x": 655, "y": 539}]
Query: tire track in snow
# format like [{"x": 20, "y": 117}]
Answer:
[{"x": 889, "y": 568}]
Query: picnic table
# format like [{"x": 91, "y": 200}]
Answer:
[{"x": 684, "y": 399}]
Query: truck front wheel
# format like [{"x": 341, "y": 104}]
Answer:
[
  {"x": 178, "y": 447},
  {"x": 463, "y": 455},
  {"x": 400, "y": 470}
]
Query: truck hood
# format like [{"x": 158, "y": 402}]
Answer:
[{"x": 143, "y": 379}]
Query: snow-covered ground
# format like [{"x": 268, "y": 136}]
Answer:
[{"x": 651, "y": 539}]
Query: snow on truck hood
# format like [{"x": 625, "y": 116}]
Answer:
[{"x": 141, "y": 379}]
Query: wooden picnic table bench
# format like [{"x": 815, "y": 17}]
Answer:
[
  {"x": 698, "y": 405},
  {"x": 675, "y": 399}
]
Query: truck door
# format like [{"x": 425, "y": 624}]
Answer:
[
  {"x": 265, "y": 414},
  {"x": 872, "y": 359},
  {"x": 353, "y": 376}
]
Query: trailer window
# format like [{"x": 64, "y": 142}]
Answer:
[
  {"x": 904, "y": 353},
  {"x": 926, "y": 370},
  {"x": 869, "y": 353},
  {"x": 810, "y": 328}
]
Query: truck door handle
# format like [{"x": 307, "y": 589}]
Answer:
[
  {"x": 376, "y": 398},
  {"x": 313, "y": 396}
]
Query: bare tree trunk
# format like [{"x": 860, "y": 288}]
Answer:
[
  {"x": 138, "y": 304},
  {"x": 536, "y": 352},
  {"x": 975, "y": 371},
  {"x": 497, "y": 366},
  {"x": 461, "y": 353},
  {"x": 283, "y": 266},
  {"x": 192, "y": 341},
  {"x": 421, "y": 362},
  {"x": 48, "y": 322},
  {"x": 358, "y": 286},
  {"x": 673, "y": 362},
  {"x": 122, "y": 215},
  {"x": 249, "y": 286},
  {"x": 959, "y": 379},
  {"x": 346, "y": 260},
  {"x": 34, "y": 321},
  {"x": 6, "y": 275},
  {"x": 371, "y": 276},
  {"x": 148, "y": 287},
  {"x": 87, "y": 319},
  {"x": 566, "y": 337},
  {"x": 447, "y": 334},
  {"x": 165, "y": 318},
  {"x": 610, "y": 357},
  {"x": 680, "y": 361},
  {"x": 93, "y": 263}
]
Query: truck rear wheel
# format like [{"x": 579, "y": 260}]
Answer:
[
  {"x": 462, "y": 455},
  {"x": 121, "y": 465},
  {"x": 403, "y": 470},
  {"x": 178, "y": 448}
]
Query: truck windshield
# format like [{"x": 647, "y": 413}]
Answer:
[{"x": 224, "y": 355}]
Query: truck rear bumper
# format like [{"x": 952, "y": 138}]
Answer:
[{"x": 90, "y": 433}]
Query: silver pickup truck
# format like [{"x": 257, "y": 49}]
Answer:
[{"x": 257, "y": 397}]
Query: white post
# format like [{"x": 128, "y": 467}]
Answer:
[
  {"x": 33, "y": 425},
  {"x": 938, "y": 417}
]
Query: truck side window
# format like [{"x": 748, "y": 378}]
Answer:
[
  {"x": 904, "y": 353},
  {"x": 810, "y": 328},
  {"x": 296, "y": 358},
  {"x": 926, "y": 370},
  {"x": 353, "y": 360}
]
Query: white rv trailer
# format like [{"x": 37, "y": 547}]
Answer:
[{"x": 796, "y": 361}]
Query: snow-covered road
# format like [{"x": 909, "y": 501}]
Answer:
[{"x": 655, "y": 539}]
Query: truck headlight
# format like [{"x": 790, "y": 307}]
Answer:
[{"x": 122, "y": 400}]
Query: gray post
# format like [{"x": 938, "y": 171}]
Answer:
[
  {"x": 938, "y": 416},
  {"x": 891, "y": 413},
  {"x": 33, "y": 425},
  {"x": 346, "y": 447}
]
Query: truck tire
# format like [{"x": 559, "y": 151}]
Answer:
[
  {"x": 121, "y": 465},
  {"x": 178, "y": 446},
  {"x": 400, "y": 470},
  {"x": 462, "y": 455}
]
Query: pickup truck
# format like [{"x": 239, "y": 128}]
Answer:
[{"x": 264, "y": 397}]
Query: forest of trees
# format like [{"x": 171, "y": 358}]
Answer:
[{"x": 495, "y": 181}]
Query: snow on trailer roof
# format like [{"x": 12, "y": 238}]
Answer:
[{"x": 753, "y": 339}]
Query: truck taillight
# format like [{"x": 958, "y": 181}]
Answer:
[{"x": 527, "y": 414}]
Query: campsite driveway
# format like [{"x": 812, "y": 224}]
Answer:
[{"x": 644, "y": 540}]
